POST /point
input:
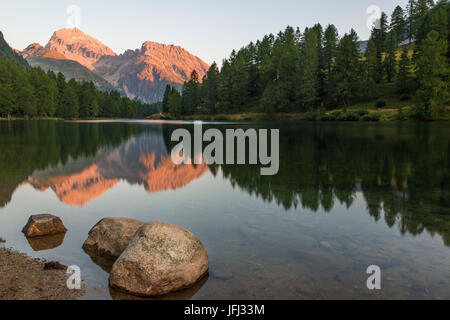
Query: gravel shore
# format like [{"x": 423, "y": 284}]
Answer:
[{"x": 24, "y": 278}]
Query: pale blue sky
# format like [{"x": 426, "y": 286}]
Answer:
[{"x": 208, "y": 29}]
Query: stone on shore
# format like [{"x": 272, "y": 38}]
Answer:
[
  {"x": 43, "y": 225},
  {"x": 110, "y": 237},
  {"x": 161, "y": 259}
]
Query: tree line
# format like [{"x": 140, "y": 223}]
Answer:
[
  {"x": 316, "y": 70},
  {"x": 31, "y": 92}
]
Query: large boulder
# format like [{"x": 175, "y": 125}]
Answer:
[
  {"x": 110, "y": 237},
  {"x": 161, "y": 259},
  {"x": 43, "y": 225}
]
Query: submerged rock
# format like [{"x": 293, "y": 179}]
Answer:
[
  {"x": 110, "y": 237},
  {"x": 221, "y": 272},
  {"x": 161, "y": 259},
  {"x": 43, "y": 225}
]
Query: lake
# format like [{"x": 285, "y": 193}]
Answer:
[{"x": 347, "y": 196}]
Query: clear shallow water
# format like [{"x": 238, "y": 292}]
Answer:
[{"x": 347, "y": 196}]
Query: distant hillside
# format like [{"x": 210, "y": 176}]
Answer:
[
  {"x": 36, "y": 50},
  {"x": 70, "y": 69},
  {"x": 7, "y": 53}
]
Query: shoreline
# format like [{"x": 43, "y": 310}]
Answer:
[
  {"x": 372, "y": 115},
  {"x": 384, "y": 115},
  {"x": 24, "y": 278}
]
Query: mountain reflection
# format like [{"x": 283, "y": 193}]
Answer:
[
  {"x": 141, "y": 160},
  {"x": 401, "y": 171}
]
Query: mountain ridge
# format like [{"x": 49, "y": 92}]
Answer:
[{"x": 144, "y": 73}]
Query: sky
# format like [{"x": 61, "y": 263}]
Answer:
[{"x": 209, "y": 29}]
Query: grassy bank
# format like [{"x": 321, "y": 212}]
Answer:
[{"x": 388, "y": 114}]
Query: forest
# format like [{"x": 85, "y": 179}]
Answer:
[{"x": 314, "y": 71}]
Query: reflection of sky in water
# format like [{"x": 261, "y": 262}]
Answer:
[{"x": 271, "y": 252}]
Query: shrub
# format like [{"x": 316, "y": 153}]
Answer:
[
  {"x": 310, "y": 116},
  {"x": 348, "y": 116},
  {"x": 328, "y": 117},
  {"x": 222, "y": 117},
  {"x": 380, "y": 104},
  {"x": 372, "y": 117},
  {"x": 400, "y": 116},
  {"x": 362, "y": 113}
]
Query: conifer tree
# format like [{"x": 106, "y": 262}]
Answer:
[
  {"x": 404, "y": 73},
  {"x": 398, "y": 23},
  {"x": 432, "y": 76},
  {"x": 165, "y": 103}
]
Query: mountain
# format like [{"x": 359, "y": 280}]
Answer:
[
  {"x": 75, "y": 45},
  {"x": 141, "y": 74},
  {"x": 8, "y": 53},
  {"x": 46, "y": 59},
  {"x": 144, "y": 73}
]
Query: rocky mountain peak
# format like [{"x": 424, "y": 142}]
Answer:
[{"x": 75, "y": 45}]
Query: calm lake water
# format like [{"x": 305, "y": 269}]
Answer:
[{"x": 347, "y": 196}]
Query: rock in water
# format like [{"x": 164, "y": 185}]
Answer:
[
  {"x": 43, "y": 225},
  {"x": 161, "y": 259},
  {"x": 110, "y": 237}
]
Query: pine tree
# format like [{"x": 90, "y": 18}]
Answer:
[
  {"x": 310, "y": 71},
  {"x": 191, "y": 93},
  {"x": 411, "y": 19},
  {"x": 346, "y": 77},
  {"x": 373, "y": 72},
  {"x": 265, "y": 68},
  {"x": 379, "y": 37},
  {"x": 225, "y": 88},
  {"x": 390, "y": 60},
  {"x": 286, "y": 58},
  {"x": 175, "y": 103},
  {"x": 70, "y": 102},
  {"x": 432, "y": 76},
  {"x": 165, "y": 103},
  {"x": 398, "y": 23},
  {"x": 61, "y": 84},
  {"x": 330, "y": 47},
  {"x": 210, "y": 85},
  {"x": 404, "y": 73},
  {"x": 240, "y": 83},
  {"x": 329, "y": 55},
  {"x": 6, "y": 101}
]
